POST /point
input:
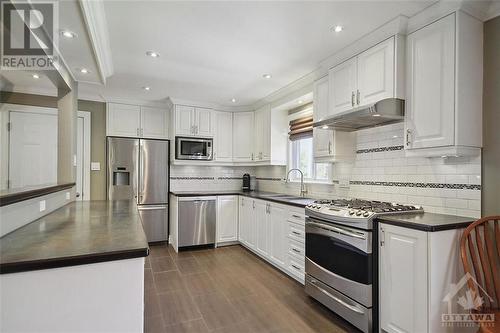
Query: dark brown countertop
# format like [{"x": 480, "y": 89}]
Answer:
[
  {"x": 270, "y": 196},
  {"x": 78, "y": 233},
  {"x": 427, "y": 221},
  {"x": 13, "y": 195}
]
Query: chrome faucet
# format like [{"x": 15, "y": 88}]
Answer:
[{"x": 303, "y": 190}]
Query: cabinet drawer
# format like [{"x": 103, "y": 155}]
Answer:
[
  {"x": 296, "y": 217},
  {"x": 296, "y": 248},
  {"x": 296, "y": 232},
  {"x": 295, "y": 267}
]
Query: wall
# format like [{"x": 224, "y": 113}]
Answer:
[
  {"x": 382, "y": 172},
  {"x": 97, "y": 146},
  {"x": 491, "y": 118},
  {"x": 98, "y": 133}
]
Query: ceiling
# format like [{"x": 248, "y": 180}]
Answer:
[{"x": 215, "y": 51}]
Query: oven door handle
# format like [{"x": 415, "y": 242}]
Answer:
[
  {"x": 337, "y": 230},
  {"x": 338, "y": 300}
]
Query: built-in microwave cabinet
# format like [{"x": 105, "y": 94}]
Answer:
[
  {"x": 329, "y": 145},
  {"x": 136, "y": 121},
  {"x": 193, "y": 121},
  {"x": 444, "y": 87},
  {"x": 371, "y": 76}
]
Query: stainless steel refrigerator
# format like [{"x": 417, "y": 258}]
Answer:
[{"x": 138, "y": 170}]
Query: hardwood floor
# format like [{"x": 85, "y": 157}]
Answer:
[{"x": 227, "y": 290}]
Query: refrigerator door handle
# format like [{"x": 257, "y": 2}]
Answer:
[{"x": 152, "y": 207}]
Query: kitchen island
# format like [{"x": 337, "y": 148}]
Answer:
[{"x": 79, "y": 268}]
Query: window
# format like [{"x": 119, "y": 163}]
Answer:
[{"x": 302, "y": 157}]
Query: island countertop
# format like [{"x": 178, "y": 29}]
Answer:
[{"x": 78, "y": 233}]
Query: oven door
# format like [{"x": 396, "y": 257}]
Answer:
[
  {"x": 341, "y": 258},
  {"x": 193, "y": 149}
]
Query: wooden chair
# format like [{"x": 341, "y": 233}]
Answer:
[{"x": 481, "y": 244}]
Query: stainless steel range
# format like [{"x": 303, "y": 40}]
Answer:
[{"x": 341, "y": 265}]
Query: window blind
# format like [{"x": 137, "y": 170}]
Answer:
[{"x": 301, "y": 128}]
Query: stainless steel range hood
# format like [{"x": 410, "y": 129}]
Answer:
[{"x": 384, "y": 112}]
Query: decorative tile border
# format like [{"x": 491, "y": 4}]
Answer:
[
  {"x": 192, "y": 178},
  {"x": 269, "y": 178},
  {"x": 421, "y": 185},
  {"x": 379, "y": 149},
  {"x": 229, "y": 178}
]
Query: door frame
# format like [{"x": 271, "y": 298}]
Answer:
[{"x": 86, "y": 115}]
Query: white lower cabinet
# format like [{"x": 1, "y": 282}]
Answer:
[
  {"x": 416, "y": 271},
  {"x": 275, "y": 232},
  {"x": 227, "y": 218}
]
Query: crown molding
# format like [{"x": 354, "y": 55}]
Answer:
[
  {"x": 94, "y": 18},
  {"x": 179, "y": 101}
]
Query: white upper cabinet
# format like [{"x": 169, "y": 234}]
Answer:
[
  {"x": 184, "y": 120},
  {"x": 203, "y": 124},
  {"x": 342, "y": 87},
  {"x": 444, "y": 88},
  {"x": 329, "y": 146},
  {"x": 262, "y": 129},
  {"x": 376, "y": 73},
  {"x": 136, "y": 121},
  {"x": 123, "y": 120},
  {"x": 223, "y": 138},
  {"x": 193, "y": 121},
  {"x": 154, "y": 123},
  {"x": 369, "y": 77},
  {"x": 243, "y": 136}
]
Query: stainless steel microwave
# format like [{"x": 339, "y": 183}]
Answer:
[{"x": 193, "y": 148}]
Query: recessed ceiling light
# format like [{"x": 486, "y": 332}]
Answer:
[
  {"x": 84, "y": 71},
  {"x": 233, "y": 100},
  {"x": 146, "y": 88},
  {"x": 68, "y": 34},
  {"x": 36, "y": 76},
  {"x": 267, "y": 76},
  {"x": 300, "y": 101},
  {"x": 338, "y": 28},
  {"x": 152, "y": 54}
]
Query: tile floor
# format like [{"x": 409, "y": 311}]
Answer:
[{"x": 227, "y": 290}]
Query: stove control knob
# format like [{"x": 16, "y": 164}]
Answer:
[
  {"x": 358, "y": 213},
  {"x": 366, "y": 214},
  {"x": 351, "y": 212}
]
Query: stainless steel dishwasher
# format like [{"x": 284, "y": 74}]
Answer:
[{"x": 196, "y": 221}]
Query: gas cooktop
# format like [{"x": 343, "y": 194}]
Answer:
[{"x": 356, "y": 212}]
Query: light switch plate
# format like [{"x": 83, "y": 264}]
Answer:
[
  {"x": 42, "y": 205},
  {"x": 95, "y": 166}
]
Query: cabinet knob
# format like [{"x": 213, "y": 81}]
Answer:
[{"x": 408, "y": 136}]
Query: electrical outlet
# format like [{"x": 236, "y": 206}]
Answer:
[
  {"x": 42, "y": 205},
  {"x": 95, "y": 166},
  {"x": 68, "y": 195}
]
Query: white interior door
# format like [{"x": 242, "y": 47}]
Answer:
[{"x": 32, "y": 148}]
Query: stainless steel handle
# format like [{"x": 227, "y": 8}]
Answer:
[
  {"x": 295, "y": 250},
  {"x": 338, "y": 300},
  {"x": 296, "y": 267},
  {"x": 382, "y": 239},
  {"x": 408, "y": 135},
  {"x": 297, "y": 216},
  {"x": 358, "y": 95},
  {"x": 352, "y": 99},
  {"x": 337, "y": 230},
  {"x": 142, "y": 131},
  {"x": 196, "y": 129},
  {"x": 296, "y": 233},
  {"x": 137, "y": 131},
  {"x": 329, "y": 147},
  {"x": 252, "y": 156},
  {"x": 253, "y": 204},
  {"x": 152, "y": 207}
]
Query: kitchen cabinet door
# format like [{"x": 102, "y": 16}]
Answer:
[
  {"x": 184, "y": 120},
  {"x": 123, "y": 120},
  {"x": 376, "y": 73},
  {"x": 342, "y": 85},
  {"x": 278, "y": 240},
  {"x": 223, "y": 139},
  {"x": 203, "y": 122},
  {"x": 243, "y": 221},
  {"x": 430, "y": 98},
  {"x": 154, "y": 123},
  {"x": 262, "y": 129},
  {"x": 403, "y": 279},
  {"x": 261, "y": 217},
  {"x": 243, "y": 136},
  {"x": 322, "y": 138},
  {"x": 250, "y": 211},
  {"x": 227, "y": 218}
]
